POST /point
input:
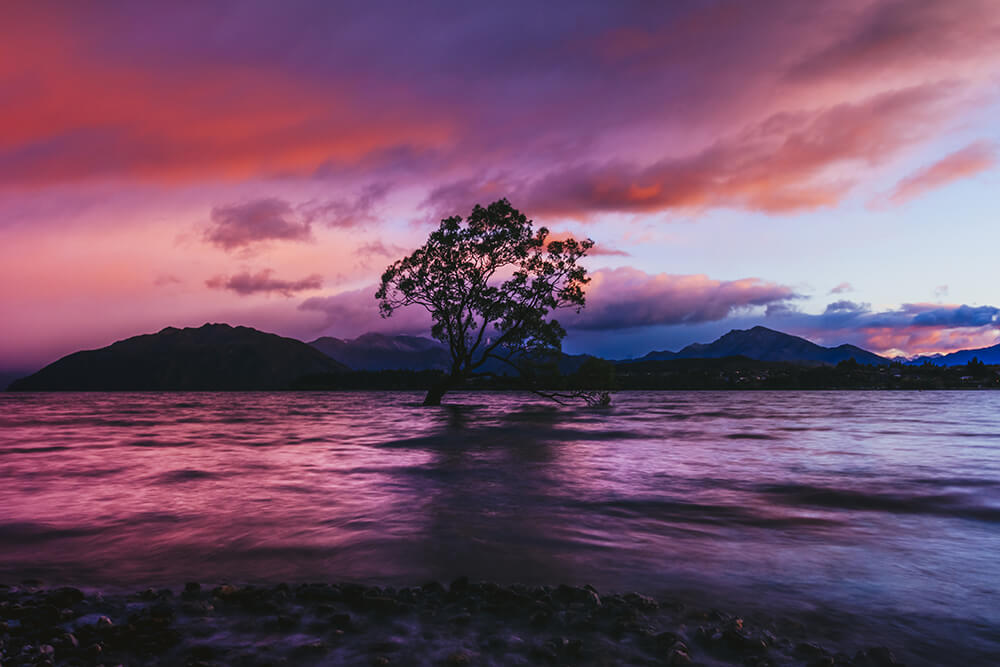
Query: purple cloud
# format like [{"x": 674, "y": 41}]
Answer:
[
  {"x": 262, "y": 282},
  {"x": 626, "y": 298},
  {"x": 355, "y": 312},
  {"x": 241, "y": 225},
  {"x": 346, "y": 213}
]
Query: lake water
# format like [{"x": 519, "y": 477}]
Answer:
[{"x": 873, "y": 515}]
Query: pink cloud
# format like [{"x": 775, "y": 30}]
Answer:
[
  {"x": 911, "y": 341},
  {"x": 841, "y": 288},
  {"x": 910, "y": 329},
  {"x": 963, "y": 163},
  {"x": 780, "y": 165}
]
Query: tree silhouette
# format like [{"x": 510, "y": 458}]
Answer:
[{"x": 489, "y": 284}]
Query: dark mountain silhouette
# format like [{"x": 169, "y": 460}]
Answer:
[
  {"x": 380, "y": 352},
  {"x": 987, "y": 355},
  {"x": 211, "y": 357},
  {"x": 377, "y": 352},
  {"x": 8, "y": 376},
  {"x": 763, "y": 344}
]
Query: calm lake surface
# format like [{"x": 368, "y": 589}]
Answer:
[{"x": 875, "y": 515}]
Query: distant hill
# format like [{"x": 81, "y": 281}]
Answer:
[
  {"x": 377, "y": 352},
  {"x": 8, "y": 376},
  {"x": 380, "y": 352},
  {"x": 211, "y": 357},
  {"x": 987, "y": 355},
  {"x": 763, "y": 344}
]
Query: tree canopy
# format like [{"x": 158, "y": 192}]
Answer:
[{"x": 490, "y": 283}]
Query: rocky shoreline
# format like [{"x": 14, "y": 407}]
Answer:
[{"x": 464, "y": 623}]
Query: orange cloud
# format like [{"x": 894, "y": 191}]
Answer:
[{"x": 70, "y": 114}]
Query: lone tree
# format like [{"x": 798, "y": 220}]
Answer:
[{"x": 489, "y": 284}]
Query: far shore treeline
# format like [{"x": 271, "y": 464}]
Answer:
[
  {"x": 739, "y": 373},
  {"x": 218, "y": 357}
]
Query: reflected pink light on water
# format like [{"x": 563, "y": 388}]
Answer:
[{"x": 876, "y": 501}]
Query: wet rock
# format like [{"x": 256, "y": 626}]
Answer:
[
  {"x": 741, "y": 642},
  {"x": 641, "y": 601},
  {"x": 459, "y": 585},
  {"x": 381, "y": 604},
  {"x": 544, "y": 652},
  {"x": 541, "y": 618},
  {"x": 286, "y": 621},
  {"x": 878, "y": 656},
  {"x": 386, "y": 646},
  {"x": 461, "y": 619},
  {"x": 824, "y": 661},
  {"x": 809, "y": 650},
  {"x": 341, "y": 621},
  {"x": 64, "y": 597},
  {"x": 147, "y": 595},
  {"x": 678, "y": 656},
  {"x": 458, "y": 659},
  {"x": 225, "y": 592},
  {"x": 203, "y": 652},
  {"x": 104, "y": 622},
  {"x": 318, "y": 593},
  {"x": 584, "y": 596},
  {"x": 432, "y": 587}
]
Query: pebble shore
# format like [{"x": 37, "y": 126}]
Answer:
[{"x": 464, "y": 623}]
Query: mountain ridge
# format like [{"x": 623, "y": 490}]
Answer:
[
  {"x": 375, "y": 352},
  {"x": 764, "y": 344},
  {"x": 987, "y": 355},
  {"x": 211, "y": 357},
  {"x": 224, "y": 357}
]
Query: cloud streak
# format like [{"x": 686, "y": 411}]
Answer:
[
  {"x": 968, "y": 161},
  {"x": 264, "y": 282},
  {"x": 781, "y": 165}
]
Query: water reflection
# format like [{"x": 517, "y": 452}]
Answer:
[{"x": 852, "y": 503}]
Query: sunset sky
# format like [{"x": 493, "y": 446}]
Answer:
[{"x": 828, "y": 169}]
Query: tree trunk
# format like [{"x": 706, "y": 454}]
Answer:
[{"x": 437, "y": 391}]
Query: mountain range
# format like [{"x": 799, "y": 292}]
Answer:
[
  {"x": 377, "y": 352},
  {"x": 223, "y": 357},
  {"x": 763, "y": 344},
  {"x": 987, "y": 355}
]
